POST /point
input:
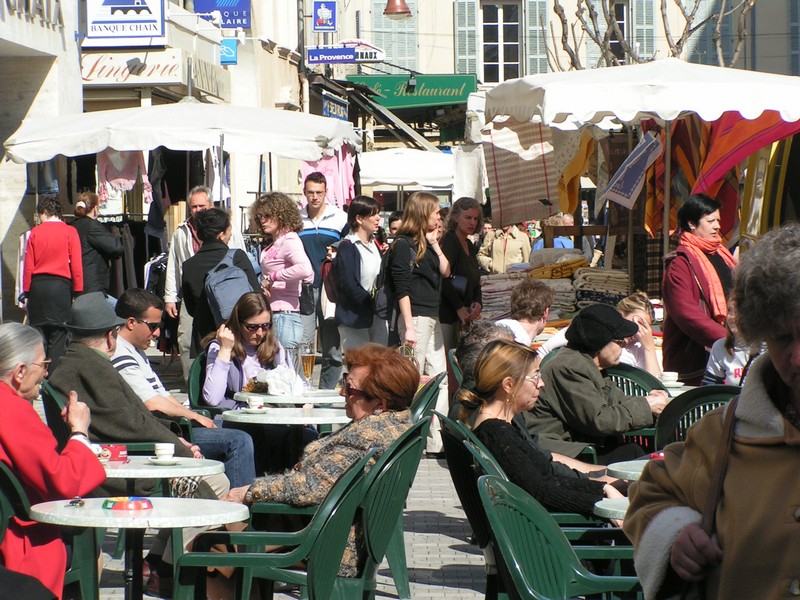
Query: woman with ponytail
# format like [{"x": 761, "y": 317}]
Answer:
[
  {"x": 507, "y": 383},
  {"x": 698, "y": 277}
]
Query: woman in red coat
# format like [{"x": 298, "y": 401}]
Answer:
[
  {"x": 29, "y": 448},
  {"x": 697, "y": 280}
]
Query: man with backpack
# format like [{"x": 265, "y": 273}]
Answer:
[{"x": 323, "y": 225}]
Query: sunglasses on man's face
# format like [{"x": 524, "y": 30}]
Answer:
[
  {"x": 151, "y": 326},
  {"x": 253, "y": 327}
]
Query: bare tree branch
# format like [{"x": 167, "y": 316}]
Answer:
[
  {"x": 575, "y": 61},
  {"x": 744, "y": 8}
]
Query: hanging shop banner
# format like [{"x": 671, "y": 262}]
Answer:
[
  {"x": 429, "y": 90},
  {"x": 330, "y": 55},
  {"x": 129, "y": 23},
  {"x": 324, "y": 16},
  {"x": 228, "y": 51},
  {"x": 235, "y": 13}
]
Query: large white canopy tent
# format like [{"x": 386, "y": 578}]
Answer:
[
  {"x": 663, "y": 90},
  {"x": 406, "y": 166}
]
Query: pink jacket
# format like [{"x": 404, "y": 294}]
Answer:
[{"x": 286, "y": 264}]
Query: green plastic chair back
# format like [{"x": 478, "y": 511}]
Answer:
[
  {"x": 53, "y": 404},
  {"x": 83, "y": 564},
  {"x": 451, "y": 358},
  {"x": 684, "y": 410},
  {"x": 633, "y": 380},
  {"x": 197, "y": 377},
  {"x": 540, "y": 562},
  {"x": 320, "y": 544},
  {"x": 425, "y": 399}
]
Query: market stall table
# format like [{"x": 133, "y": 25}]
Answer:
[
  {"x": 630, "y": 470},
  {"x": 174, "y": 513},
  {"x": 611, "y": 508}
]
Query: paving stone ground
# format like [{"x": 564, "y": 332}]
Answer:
[{"x": 441, "y": 564}]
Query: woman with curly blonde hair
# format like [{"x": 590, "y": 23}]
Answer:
[{"x": 284, "y": 264}]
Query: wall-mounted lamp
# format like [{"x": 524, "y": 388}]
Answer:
[
  {"x": 412, "y": 84},
  {"x": 397, "y": 9}
]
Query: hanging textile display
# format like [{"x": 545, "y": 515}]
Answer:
[
  {"x": 523, "y": 182},
  {"x": 118, "y": 172},
  {"x": 338, "y": 172}
]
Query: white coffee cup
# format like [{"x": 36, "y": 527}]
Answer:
[
  {"x": 164, "y": 450},
  {"x": 255, "y": 403},
  {"x": 669, "y": 376}
]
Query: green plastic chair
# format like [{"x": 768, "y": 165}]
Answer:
[
  {"x": 386, "y": 489},
  {"x": 425, "y": 399},
  {"x": 541, "y": 564},
  {"x": 83, "y": 564},
  {"x": 451, "y": 358},
  {"x": 683, "y": 411},
  {"x": 320, "y": 545},
  {"x": 197, "y": 377},
  {"x": 634, "y": 381}
]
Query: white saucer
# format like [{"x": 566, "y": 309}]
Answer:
[
  {"x": 254, "y": 411},
  {"x": 163, "y": 462},
  {"x": 673, "y": 385}
]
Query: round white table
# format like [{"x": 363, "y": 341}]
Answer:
[
  {"x": 309, "y": 397},
  {"x": 677, "y": 391},
  {"x": 611, "y": 508},
  {"x": 171, "y": 513},
  {"x": 140, "y": 467},
  {"x": 289, "y": 416},
  {"x": 627, "y": 469}
]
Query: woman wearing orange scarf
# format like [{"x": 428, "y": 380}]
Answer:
[{"x": 697, "y": 279}]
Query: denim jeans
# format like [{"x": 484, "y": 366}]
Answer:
[
  {"x": 288, "y": 328},
  {"x": 231, "y": 446}
]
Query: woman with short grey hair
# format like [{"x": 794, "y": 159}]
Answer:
[
  {"x": 29, "y": 449},
  {"x": 748, "y": 553}
]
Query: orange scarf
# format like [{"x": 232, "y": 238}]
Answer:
[{"x": 699, "y": 249}]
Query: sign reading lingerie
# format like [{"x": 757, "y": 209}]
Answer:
[{"x": 626, "y": 185}]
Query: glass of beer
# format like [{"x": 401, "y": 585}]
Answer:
[{"x": 307, "y": 358}]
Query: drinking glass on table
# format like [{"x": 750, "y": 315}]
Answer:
[{"x": 307, "y": 358}]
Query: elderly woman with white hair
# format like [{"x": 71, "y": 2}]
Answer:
[
  {"x": 28, "y": 447},
  {"x": 747, "y": 546}
]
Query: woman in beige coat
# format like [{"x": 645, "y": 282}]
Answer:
[
  {"x": 504, "y": 247},
  {"x": 754, "y": 550}
]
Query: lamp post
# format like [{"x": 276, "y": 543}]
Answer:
[{"x": 397, "y": 9}]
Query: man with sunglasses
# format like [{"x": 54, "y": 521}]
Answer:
[{"x": 142, "y": 311}]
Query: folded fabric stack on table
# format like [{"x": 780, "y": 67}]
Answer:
[{"x": 592, "y": 286}]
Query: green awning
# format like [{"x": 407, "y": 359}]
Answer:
[{"x": 430, "y": 90}]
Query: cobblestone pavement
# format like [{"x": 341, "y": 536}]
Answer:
[{"x": 441, "y": 564}]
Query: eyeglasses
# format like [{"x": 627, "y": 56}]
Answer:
[
  {"x": 312, "y": 193},
  {"x": 262, "y": 216},
  {"x": 349, "y": 390},
  {"x": 535, "y": 378},
  {"x": 45, "y": 364},
  {"x": 151, "y": 326},
  {"x": 253, "y": 327}
]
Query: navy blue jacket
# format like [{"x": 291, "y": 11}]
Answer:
[{"x": 354, "y": 304}]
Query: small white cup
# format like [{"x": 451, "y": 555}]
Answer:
[
  {"x": 164, "y": 450},
  {"x": 255, "y": 403},
  {"x": 669, "y": 376}
]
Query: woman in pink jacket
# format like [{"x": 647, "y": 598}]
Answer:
[{"x": 284, "y": 264}]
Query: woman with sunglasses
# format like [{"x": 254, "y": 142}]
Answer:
[
  {"x": 241, "y": 347},
  {"x": 507, "y": 383},
  {"x": 378, "y": 389},
  {"x": 284, "y": 263}
]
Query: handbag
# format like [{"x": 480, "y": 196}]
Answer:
[
  {"x": 459, "y": 285},
  {"x": 307, "y": 306},
  {"x": 694, "y": 590}
]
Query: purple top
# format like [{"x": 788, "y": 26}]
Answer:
[
  {"x": 285, "y": 262},
  {"x": 222, "y": 380}
]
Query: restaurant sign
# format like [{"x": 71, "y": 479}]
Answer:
[{"x": 429, "y": 90}]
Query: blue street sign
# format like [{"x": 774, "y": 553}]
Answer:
[
  {"x": 235, "y": 13},
  {"x": 228, "y": 51},
  {"x": 319, "y": 56},
  {"x": 323, "y": 17}
]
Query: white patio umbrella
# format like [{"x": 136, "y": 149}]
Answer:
[
  {"x": 186, "y": 125},
  {"x": 663, "y": 90},
  {"x": 406, "y": 166}
]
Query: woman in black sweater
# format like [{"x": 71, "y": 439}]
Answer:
[{"x": 506, "y": 384}]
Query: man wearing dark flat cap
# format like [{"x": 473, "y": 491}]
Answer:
[
  {"x": 117, "y": 412},
  {"x": 580, "y": 404}
]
